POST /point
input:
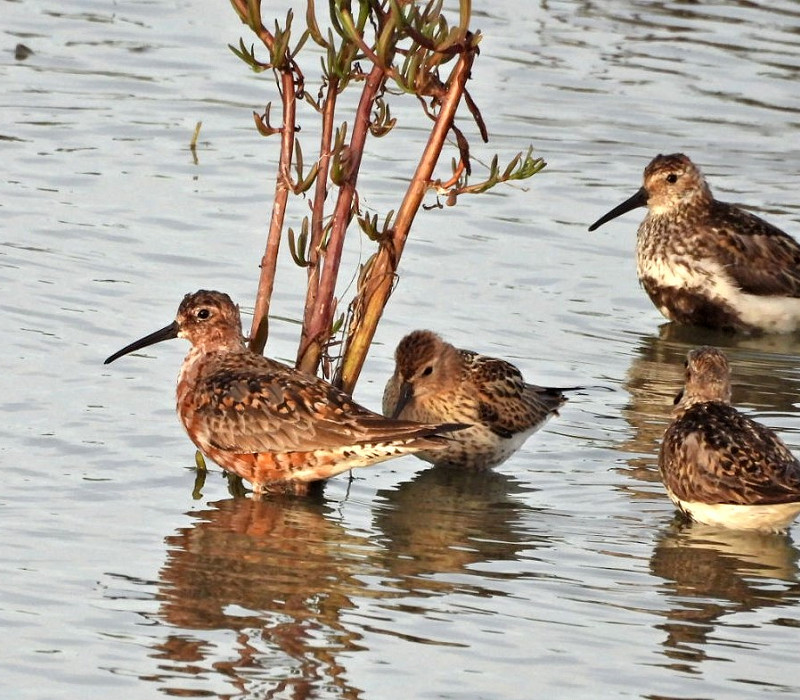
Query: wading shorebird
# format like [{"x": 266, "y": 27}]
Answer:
[
  {"x": 720, "y": 467},
  {"x": 274, "y": 426},
  {"x": 707, "y": 263},
  {"x": 435, "y": 381}
]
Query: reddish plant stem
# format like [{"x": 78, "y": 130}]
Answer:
[
  {"x": 259, "y": 329},
  {"x": 317, "y": 217},
  {"x": 319, "y": 326},
  {"x": 376, "y": 287}
]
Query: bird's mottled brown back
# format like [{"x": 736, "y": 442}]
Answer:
[
  {"x": 260, "y": 405},
  {"x": 714, "y": 454},
  {"x": 505, "y": 402}
]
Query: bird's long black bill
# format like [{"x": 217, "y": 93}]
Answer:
[
  {"x": 638, "y": 200},
  {"x": 406, "y": 394},
  {"x": 166, "y": 333}
]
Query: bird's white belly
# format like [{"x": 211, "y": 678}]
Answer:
[
  {"x": 776, "y": 314},
  {"x": 764, "y": 518}
]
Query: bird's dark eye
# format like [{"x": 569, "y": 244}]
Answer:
[
  {"x": 427, "y": 371},
  {"x": 203, "y": 314},
  {"x": 672, "y": 178}
]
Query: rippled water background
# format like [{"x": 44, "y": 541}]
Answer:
[{"x": 561, "y": 574}]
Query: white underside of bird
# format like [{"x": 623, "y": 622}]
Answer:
[
  {"x": 705, "y": 277},
  {"x": 774, "y": 517}
]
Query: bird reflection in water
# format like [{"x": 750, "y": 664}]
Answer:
[
  {"x": 281, "y": 574},
  {"x": 710, "y": 573},
  {"x": 447, "y": 519},
  {"x": 277, "y": 573}
]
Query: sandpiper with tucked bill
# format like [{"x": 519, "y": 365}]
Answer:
[
  {"x": 720, "y": 467},
  {"x": 274, "y": 426},
  {"x": 708, "y": 263},
  {"x": 434, "y": 381}
]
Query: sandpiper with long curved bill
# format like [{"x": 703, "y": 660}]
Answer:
[
  {"x": 708, "y": 263},
  {"x": 720, "y": 467},
  {"x": 274, "y": 426}
]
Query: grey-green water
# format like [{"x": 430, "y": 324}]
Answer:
[{"x": 559, "y": 575}]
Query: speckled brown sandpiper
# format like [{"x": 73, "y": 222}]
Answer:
[
  {"x": 720, "y": 467},
  {"x": 434, "y": 381},
  {"x": 270, "y": 424},
  {"x": 707, "y": 263}
]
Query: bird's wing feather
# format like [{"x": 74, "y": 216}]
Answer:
[
  {"x": 506, "y": 403},
  {"x": 760, "y": 258},
  {"x": 268, "y": 407}
]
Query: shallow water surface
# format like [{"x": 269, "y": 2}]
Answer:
[{"x": 560, "y": 574}]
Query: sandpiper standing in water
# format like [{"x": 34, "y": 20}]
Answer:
[
  {"x": 270, "y": 424},
  {"x": 434, "y": 381},
  {"x": 720, "y": 467},
  {"x": 707, "y": 263}
]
